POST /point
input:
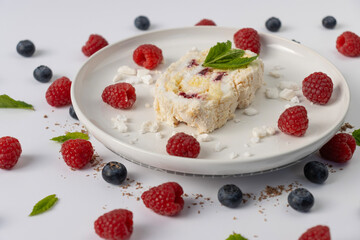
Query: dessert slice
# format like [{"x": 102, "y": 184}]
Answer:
[{"x": 205, "y": 97}]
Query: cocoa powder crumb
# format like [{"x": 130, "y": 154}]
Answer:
[{"x": 345, "y": 127}]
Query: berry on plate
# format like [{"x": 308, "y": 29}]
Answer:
[
  {"x": 142, "y": 23},
  {"x": 114, "y": 173},
  {"x": 273, "y": 24},
  {"x": 164, "y": 199},
  {"x": 319, "y": 232},
  {"x": 206, "y": 22},
  {"x": 148, "y": 56},
  {"x": 348, "y": 44},
  {"x": 329, "y": 22},
  {"x": 25, "y": 48},
  {"x": 316, "y": 172},
  {"x": 115, "y": 225},
  {"x": 230, "y": 195},
  {"x": 77, "y": 152},
  {"x": 43, "y": 74},
  {"x": 339, "y": 149},
  {"x": 58, "y": 93},
  {"x": 183, "y": 145},
  {"x": 247, "y": 39},
  {"x": 294, "y": 121},
  {"x": 94, "y": 44},
  {"x": 317, "y": 87},
  {"x": 301, "y": 200},
  {"x": 10, "y": 151},
  {"x": 120, "y": 95}
]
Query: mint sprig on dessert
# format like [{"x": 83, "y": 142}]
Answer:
[
  {"x": 70, "y": 135},
  {"x": 222, "y": 56},
  {"x": 8, "y": 102},
  {"x": 44, "y": 204}
]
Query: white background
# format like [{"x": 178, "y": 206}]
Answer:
[{"x": 59, "y": 29}]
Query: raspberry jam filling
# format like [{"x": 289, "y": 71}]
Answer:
[
  {"x": 185, "y": 95},
  {"x": 192, "y": 63},
  {"x": 220, "y": 76},
  {"x": 204, "y": 71}
]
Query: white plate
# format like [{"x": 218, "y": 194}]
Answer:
[{"x": 296, "y": 62}]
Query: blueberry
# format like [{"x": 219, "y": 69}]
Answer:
[
  {"x": 25, "y": 48},
  {"x": 142, "y": 23},
  {"x": 114, "y": 173},
  {"x": 73, "y": 113},
  {"x": 329, "y": 22},
  {"x": 42, "y": 74},
  {"x": 273, "y": 24},
  {"x": 316, "y": 172},
  {"x": 230, "y": 195},
  {"x": 301, "y": 200}
]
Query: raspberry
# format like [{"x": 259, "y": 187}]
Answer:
[
  {"x": 58, "y": 94},
  {"x": 317, "y": 87},
  {"x": 115, "y": 225},
  {"x": 348, "y": 44},
  {"x": 206, "y": 22},
  {"x": 164, "y": 199},
  {"x": 94, "y": 44},
  {"x": 339, "y": 149},
  {"x": 247, "y": 39},
  {"x": 318, "y": 232},
  {"x": 119, "y": 95},
  {"x": 183, "y": 145},
  {"x": 10, "y": 151},
  {"x": 294, "y": 121},
  {"x": 77, "y": 152},
  {"x": 148, "y": 56}
]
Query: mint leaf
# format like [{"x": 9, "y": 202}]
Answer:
[
  {"x": 356, "y": 135},
  {"x": 233, "y": 64},
  {"x": 70, "y": 135},
  {"x": 221, "y": 56},
  {"x": 8, "y": 102},
  {"x": 236, "y": 236},
  {"x": 217, "y": 50},
  {"x": 44, "y": 204}
]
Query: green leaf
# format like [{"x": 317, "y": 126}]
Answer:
[
  {"x": 233, "y": 64},
  {"x": 70, "y": 135},
  {"x": 356, "y": 135},
  {"x": 236, "y": 236},
  {"x": 221, "y": 56},
  {"x": 8, "y": 102},
  {"x": 217, "y": 50},
  {"x": 44, "y": 204}
]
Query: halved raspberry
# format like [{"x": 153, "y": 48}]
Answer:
[
  {"x": 318, "y": 232},
  {"x": 183, "y": 145},
  {"x": 247, "y": 39},
  {"x": 58, "y": 93},
  {"x": 115, "y": 225},
  {"x": 339, "y": 149},
  {"x": 77, "y": 152},
  {"x": 10, "y": 151},
  {"x": 148, "y": 56},
  {"x": 294, "y": 121},
  {"x": 120, "y": 95},
  {"x": 348, "y": 44},
  {"x": 164, "y": 199},
  {"x": 206, "y": 22},
  {"x": 317, "y": 87},
  {"x": 94, "y": 44}
]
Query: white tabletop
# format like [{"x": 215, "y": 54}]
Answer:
[{"x": 59, "y": 29}]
